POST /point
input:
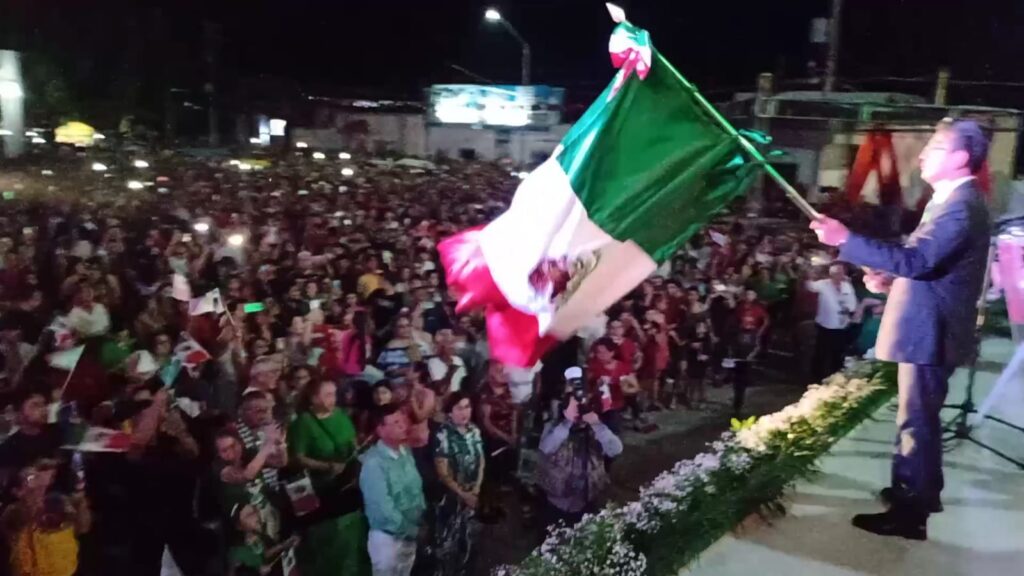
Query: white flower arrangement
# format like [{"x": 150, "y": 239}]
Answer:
[{"x": 603, "y": 544}]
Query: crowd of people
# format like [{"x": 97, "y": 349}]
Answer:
[{"x": 253, "y": 369}]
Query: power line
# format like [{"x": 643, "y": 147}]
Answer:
[{"x": 931, "y": 80}]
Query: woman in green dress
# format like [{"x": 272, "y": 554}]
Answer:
[
  {"x": 459, "y": 459},
  {"x": 322, "y": 440}
]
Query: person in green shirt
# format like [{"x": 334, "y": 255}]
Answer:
[
  {"x": 770, "y": 289},
  {"x": 239, "y": 481},
  {"x": 869, "y": 316},
  {"x": 256, "y": 554},
  {"x": 393, "y": 492},
  {"x": 322, "y": 440}
]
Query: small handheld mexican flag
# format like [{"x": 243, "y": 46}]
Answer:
[
  {"x": 66, "y": 359},
  {"x": 188, "y": 354},
  {"x": 98, "y": 439},
  {"x": 645, "y": 168},
  {"x": 209, "y": 302},
  {"x": 63, "y": 336}
]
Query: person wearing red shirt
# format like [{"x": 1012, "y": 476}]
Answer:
[
  {"x": 675, "y": 311},
  {"x": 752, "y": 314},
  {"x": 626, "y": 349},
  {"x": 613, "y": 382},
  {"x": 656, "y": 354}
]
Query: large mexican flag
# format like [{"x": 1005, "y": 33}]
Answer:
[{"x": 645, "y": 168}]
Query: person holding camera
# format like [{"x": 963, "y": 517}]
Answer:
[{"x": 572, "y": 471}]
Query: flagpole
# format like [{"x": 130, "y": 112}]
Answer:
[
  {"x": 67, "y": 380},
  {"x": 770, "y": 170}
]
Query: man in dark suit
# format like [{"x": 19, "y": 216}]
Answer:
[{"x": 928, "y": 325}]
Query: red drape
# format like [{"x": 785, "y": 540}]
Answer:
[{"x": 869, "y": 156}]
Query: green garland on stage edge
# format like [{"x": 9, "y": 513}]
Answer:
[{"x": 686, "y": 509}]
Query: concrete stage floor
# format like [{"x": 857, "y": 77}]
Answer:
[{"x": 980, "y": 533}]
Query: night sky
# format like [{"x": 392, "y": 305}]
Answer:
[{"x": 396, "y": 47}]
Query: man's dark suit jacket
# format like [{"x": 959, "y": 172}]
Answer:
[{"x": 930, "y": 314}]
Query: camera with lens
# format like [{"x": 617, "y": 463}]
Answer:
[{"x": 576, "y": 387}]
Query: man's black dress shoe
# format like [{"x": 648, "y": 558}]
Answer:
[{"x": 892, "y": 523}]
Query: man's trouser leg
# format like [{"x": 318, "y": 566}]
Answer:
[
  {"x": 390, "y": 556},
  {"x": 917, "y": 459}
]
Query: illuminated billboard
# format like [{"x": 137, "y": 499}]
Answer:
[{"x": 496, "y": 105}]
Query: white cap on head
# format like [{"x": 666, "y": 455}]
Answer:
[{"x": 573, "y": 373}]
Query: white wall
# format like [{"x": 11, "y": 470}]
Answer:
[
  {"x": 524, "y": 147},
  {"x": 806, "y": 162},
  {"x": 318, "y": 138},
  {"x": 448, "y": 140},
  {"x": 405, "y": 134},
  {"x": 530, "y": 147}
]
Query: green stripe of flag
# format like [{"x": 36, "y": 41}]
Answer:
[{"x": 651, "y": 164}]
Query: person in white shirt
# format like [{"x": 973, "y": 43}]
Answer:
[
  {"x": 522, "y": 381},
  {"x": 88, "y": 318},
  {"x": 836, "y": 305},
  {"x": 447, "y": 370}
]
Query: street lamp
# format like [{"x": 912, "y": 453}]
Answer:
[{"x": 492, "y": 15}]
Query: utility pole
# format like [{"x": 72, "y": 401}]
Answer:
[
  {"x": 525, "y": 73},
  {"x": 762, "y": 123},
  {"x": 211, "y": 37},
  {"x": 492, "y": 15},
  {"x": 942, "y": 87},
  {"x": 832, "y": 61}
]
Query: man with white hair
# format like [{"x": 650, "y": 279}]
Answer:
[{"x": 836, "y": 305}]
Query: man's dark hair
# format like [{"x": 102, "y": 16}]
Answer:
[
  {"x": 454, "y": 398},
  {"x": 606, "y": 343},
  {"x": 150, "y": 341},
  {"x": 421, "y": 371},
  {"x": 382, "y": 412},
  {"x": 970, "y": 137},
  {"x": 24, "y": 396},
  {"x": 228, "y": 432}
]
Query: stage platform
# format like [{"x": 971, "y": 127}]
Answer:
[{"x": 980, "y": 533}]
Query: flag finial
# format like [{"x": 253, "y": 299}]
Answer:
[{"x": 617, "y": 13}]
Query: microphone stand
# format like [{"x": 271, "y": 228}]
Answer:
[{"x": 959, "y": 428}]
